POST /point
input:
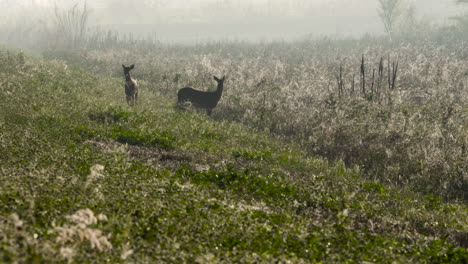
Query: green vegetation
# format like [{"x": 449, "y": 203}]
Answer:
[
  {"x": 411, "y": 134},
  {"x": 285, "y": 170}
]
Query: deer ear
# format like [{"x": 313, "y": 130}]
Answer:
[
  {"x": 216, "y": 78},
  {"x": 224, "y": 77},
  {"x": 132, "y": 66},
  {"x": 123, "y": 66}
]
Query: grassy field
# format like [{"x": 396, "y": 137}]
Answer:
[
  {"x": 413, "y": 135},
  {"x": 285, "y": 170}
]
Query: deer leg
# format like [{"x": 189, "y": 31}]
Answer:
[{"x": 208, "y": 111}]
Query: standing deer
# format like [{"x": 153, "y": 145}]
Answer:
[
  {"x": 200, "y": 99},
  {"x": 131, "y": 85}
]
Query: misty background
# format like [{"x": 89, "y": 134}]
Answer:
[{"x": 192, "y": 21}]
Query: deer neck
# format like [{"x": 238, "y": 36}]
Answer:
[
  {"x": 128, "y": 78},
  {"x": 219, "y": 89}
]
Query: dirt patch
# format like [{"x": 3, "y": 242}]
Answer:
[
  {"x": 158, "y": 157},
  {"x": 460, "y": 238},
  {"x": 151, "y": 156}
]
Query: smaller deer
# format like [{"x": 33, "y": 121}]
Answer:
[
  {"x": 131, "y": 86},
  {"x": 200, "y": 99}
]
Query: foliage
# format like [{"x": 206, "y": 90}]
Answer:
[
  {"x": 389, "y": 12},
  {"x": 69, "y": 27},
  {"x": 85, "y": 178}
]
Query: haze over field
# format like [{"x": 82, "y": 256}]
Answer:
[
  {"x": 200, "y": 20},
  {"x": 188, "y": 131}
]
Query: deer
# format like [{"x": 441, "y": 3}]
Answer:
[
  {"x": 131, "y": 85},
  {"x": 201, "y": 99}
]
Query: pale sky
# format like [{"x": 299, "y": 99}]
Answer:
[
  {"x": 426, "y": 7},
  {"x": 429, "y": 6},
  {"x": 198, "y": 19}
]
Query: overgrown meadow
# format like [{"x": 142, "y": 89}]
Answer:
[
  {"x": 320, "y": 151},
  {"x": 411, "y": 133}
]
